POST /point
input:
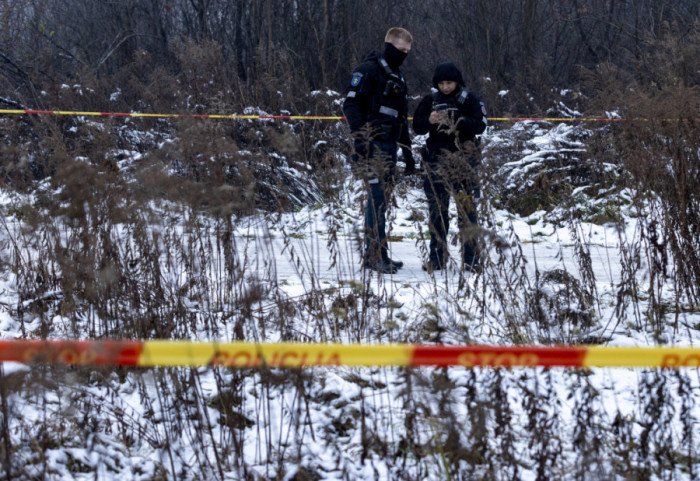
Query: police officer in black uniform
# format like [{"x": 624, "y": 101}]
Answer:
[
  {"x": 453, "y": 117},
  {"x": 376, "y": 108}
]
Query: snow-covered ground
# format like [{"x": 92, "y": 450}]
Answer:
[{"x": 381, "y": 423}]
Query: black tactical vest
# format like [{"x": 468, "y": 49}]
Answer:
[
  {"x": 389, "y": 107},
  {"x": 450, "y": 103}
]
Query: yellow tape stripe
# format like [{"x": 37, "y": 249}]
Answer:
[
  {"x": 242, "y": 354},
  {"x": 65, "y": 112},
  {"x": 642, "y": 357}
]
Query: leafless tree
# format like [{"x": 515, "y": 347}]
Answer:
[{"x": 517, "y": 44}]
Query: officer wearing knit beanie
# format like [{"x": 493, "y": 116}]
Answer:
[
  {"x": 447, "y": 71},
  {"x": 453, "y": 118}
]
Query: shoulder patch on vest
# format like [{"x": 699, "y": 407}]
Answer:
[{"x": 356, "y": 78}]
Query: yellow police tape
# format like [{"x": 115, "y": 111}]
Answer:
[
  {"x": 291, "y": 355},
  {"x": 288, "y": 117}
]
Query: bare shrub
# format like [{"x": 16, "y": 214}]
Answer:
[
  {"x": 561, "y": 308},
  {"x": 658, "y": 146}
]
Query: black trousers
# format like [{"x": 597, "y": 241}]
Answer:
[
  {"x": 379, "y": 181},
  {"x": 440, "y": 186}
]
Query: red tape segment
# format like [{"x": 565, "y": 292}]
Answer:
[
  {"x": 297, "y": 355},
  {"x": 496, "y": 356},
  {"x": 121, "y": 353}
]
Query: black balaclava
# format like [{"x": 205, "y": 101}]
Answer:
[
  {"x": 393, "y": 56},
  {"x": 447, "y": 71}
]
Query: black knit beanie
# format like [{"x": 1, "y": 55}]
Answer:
[{"x": 447, "y": 71}]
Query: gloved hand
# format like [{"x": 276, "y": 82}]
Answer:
[
  {"x": 359, "y": 163},
  {"x": 361, "y": 148},
  {"x": 408, "y": 160}
]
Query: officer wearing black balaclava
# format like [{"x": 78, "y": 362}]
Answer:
[{"x": 376, "y": 108}]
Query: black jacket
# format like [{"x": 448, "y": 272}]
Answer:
[
  {"x": 377, "y": 97},
  {"x": 470, "y": 115}
]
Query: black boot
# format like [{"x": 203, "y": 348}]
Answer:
[
  {"x": 382, "y": 266},
  {"x": 396, "y": 264},
  {"x": 432, "y": 265}
]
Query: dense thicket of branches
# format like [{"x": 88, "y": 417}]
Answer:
[{"x": 522, "y": 45}]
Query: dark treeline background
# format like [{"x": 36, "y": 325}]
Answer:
[{"x": 525, "y": 46}]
